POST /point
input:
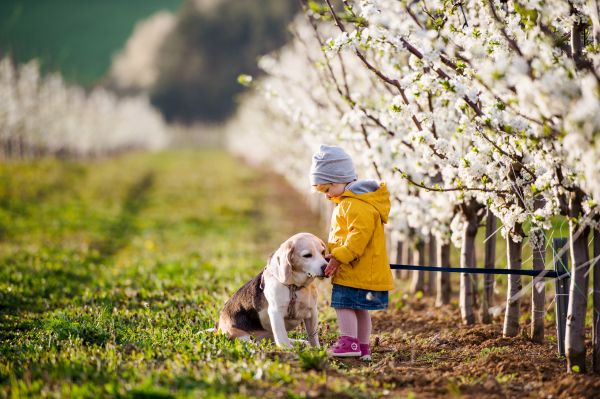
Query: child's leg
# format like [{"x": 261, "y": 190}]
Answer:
[
  {"x": 363, "y": 319},
  {"x": 347, "y": 322}
]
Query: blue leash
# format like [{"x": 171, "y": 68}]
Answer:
[{"x": 532, "y": 273}]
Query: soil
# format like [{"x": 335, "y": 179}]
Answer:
[{"x": 426, "y": 352}]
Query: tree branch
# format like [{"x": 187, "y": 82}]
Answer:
[
  {"x": 441, "y": 189},
  {"x": 510, "y": 41},
  {"x": 393, "y": 82},
  {"x": 365, "y": 136},
  {"x": 413, "y": 16},
  {"x": 321, "y": 44},
  {"x": 517, "y": 161}
]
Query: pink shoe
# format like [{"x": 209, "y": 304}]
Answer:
[
  {"x": 365, "y": 354},
  {"x": 345, "y": 347}
]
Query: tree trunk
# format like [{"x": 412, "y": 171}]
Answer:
[
  {"x": 538, "y": 298},
  {"x": 514, "y": 250},
  {"x": 577, "y": 41},
  {"x": 418, "y": 279},
  {"x": 475, "y": 279},
  {"x": 432, "y": 263},
  {"x": 596, "y": 311},
  {"x": 595, "y": 21},
  {"x": 404, "y": 274},
  {"x": 396, "y": 255},
  {"x": 578, "y": 292},
  {"x": 490, "y": 262},
  {"x": 443, "y": 279},
  {"x": 467, "y": 257}
]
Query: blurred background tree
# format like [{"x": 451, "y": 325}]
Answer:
[
  {"x": 186, "y": 54},
  {"x": 212, "y": 43}
]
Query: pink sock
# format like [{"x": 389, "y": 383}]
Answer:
[
  {"x": 347, "y": 322},
  {"x": 363, "y": 320}
]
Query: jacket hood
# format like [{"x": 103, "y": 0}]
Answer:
[{"x": 369, "y": 191}]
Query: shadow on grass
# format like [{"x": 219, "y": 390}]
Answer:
[
  {"x": 51, "y": 278},
  {"x": 119, "y": 233}
]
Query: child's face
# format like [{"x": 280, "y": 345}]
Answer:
[{"x": 332, "y": 189}]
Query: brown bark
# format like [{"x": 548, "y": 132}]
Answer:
[
  {"x": 418, "y": 277},
  {"x": 577, "y": 41},
  {"x": 578, "y": 291},
  {"x": 538, "y": 298},
  {"x": 561, "y": 288},
  {"x": 396, "y": 255},
  {"x": 490, "y": 262},
  {"x": 475, "y": 279},
  {"x": 514, "y": 252},
  {"x": 596, "y": 310},
  {"x": 595, "y": 21},
  {"x": 443, "y": 281},
  {"x": 432, "y": 262},
  {"x": 405, "y": 274},
  {"x": 467, "y": 258}
]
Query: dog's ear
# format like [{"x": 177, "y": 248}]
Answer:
[
  {"x": 322, "y": 243},
  {"x": 284, "y": 260}
]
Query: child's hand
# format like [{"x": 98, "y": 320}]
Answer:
[{"x": 333, "y": 267}]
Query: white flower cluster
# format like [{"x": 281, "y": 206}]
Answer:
[
  {"x": 368, "y": 8},
  {"x": 46, "y": 116},
  {"x": 483, "y": 106},
  {"x": 346, "y": 41}
]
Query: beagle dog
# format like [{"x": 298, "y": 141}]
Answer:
[{"x": 281, "y": 297}]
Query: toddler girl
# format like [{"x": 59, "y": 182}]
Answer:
[{"x": 358, "y": 263}]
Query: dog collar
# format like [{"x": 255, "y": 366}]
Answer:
[{"x": 291, "y": 313}]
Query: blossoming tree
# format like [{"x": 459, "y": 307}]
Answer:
[
  {"x": 461, "y": 107},
  {"x": 43, "y": 115}
]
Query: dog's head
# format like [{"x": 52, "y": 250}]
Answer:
[{"x": 299, "y": 258}]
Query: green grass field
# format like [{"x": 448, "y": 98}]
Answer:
[
  {"x": 112, "y": 267},
  {"x": 76, "y": 37}
]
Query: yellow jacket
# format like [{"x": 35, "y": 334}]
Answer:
[{"x": 357, "y": 238}]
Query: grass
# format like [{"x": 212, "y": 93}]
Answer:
[
  {"x": 111, "y": 269},
  {"x": 313, "y": 359}
]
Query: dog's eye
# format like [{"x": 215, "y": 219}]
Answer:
[{"x": 308, "y": 256}]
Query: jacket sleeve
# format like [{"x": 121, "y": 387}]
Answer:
[{"x": 361, "y": 225}]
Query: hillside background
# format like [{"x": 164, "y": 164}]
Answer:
[
  {"x": 74, "y": 37},
  {"x": 186, "y": 54}
]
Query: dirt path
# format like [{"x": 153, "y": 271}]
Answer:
[{"x": 426, "y": 352}]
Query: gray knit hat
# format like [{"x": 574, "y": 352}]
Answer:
[{"x": 331, "y": 165}]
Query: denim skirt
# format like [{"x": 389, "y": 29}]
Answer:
[{"x": 355, "y": 298}]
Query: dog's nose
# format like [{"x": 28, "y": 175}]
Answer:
[{"x": 323, "y": 268}]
